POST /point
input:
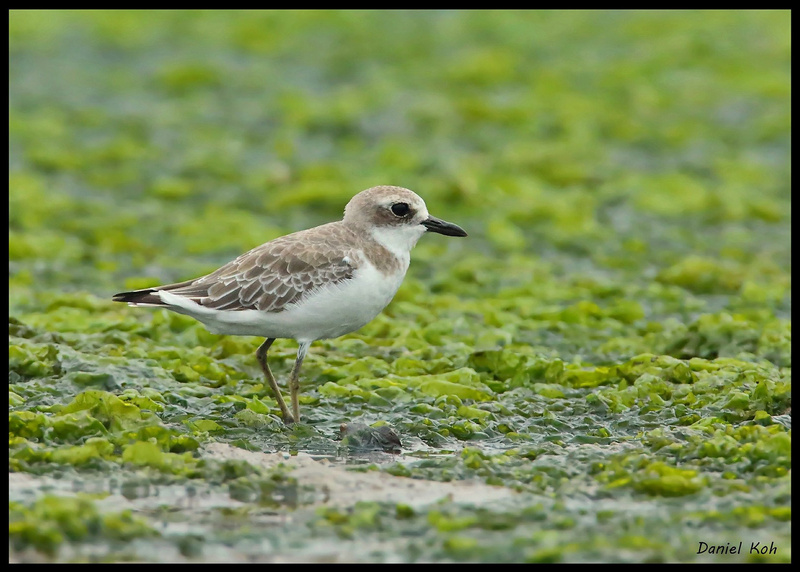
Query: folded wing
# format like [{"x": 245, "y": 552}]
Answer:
[{"x": 267, "y": 278}]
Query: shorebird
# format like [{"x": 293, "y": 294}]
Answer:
[{"x": 314, "y": 284}]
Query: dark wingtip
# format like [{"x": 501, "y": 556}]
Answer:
[{"x": 137, "y": 297}]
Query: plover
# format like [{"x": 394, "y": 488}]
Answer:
[{"x": 319, "y": 283}]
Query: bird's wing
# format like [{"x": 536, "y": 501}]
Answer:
[{"x": 271, "y": 276}]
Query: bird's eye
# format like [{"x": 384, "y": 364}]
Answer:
[{"x": 400, "y": 209}]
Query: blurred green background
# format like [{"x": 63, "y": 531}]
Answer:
[{"x": 625, "y": 181}]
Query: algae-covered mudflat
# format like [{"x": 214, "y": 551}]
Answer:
[{"x": 601, "y": 371}]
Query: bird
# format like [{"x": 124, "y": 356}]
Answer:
[{"x": 314, "y": 284}]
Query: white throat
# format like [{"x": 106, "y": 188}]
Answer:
[{"x": 398, "y": 240}]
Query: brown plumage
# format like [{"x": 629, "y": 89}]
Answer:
[{"x": 271, "y": 276}]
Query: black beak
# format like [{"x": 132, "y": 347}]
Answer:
[{"x": 434, "y": 224}]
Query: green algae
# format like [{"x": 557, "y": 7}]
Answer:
[
  {"x": 541, "y": 531},
  {"x": 54, "y": 520},
  {"x": 613, "y": 340}
]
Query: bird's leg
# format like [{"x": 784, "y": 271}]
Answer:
[
  {"x": 294, "y": 380},
  {"x": 261, "y": 355}
]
